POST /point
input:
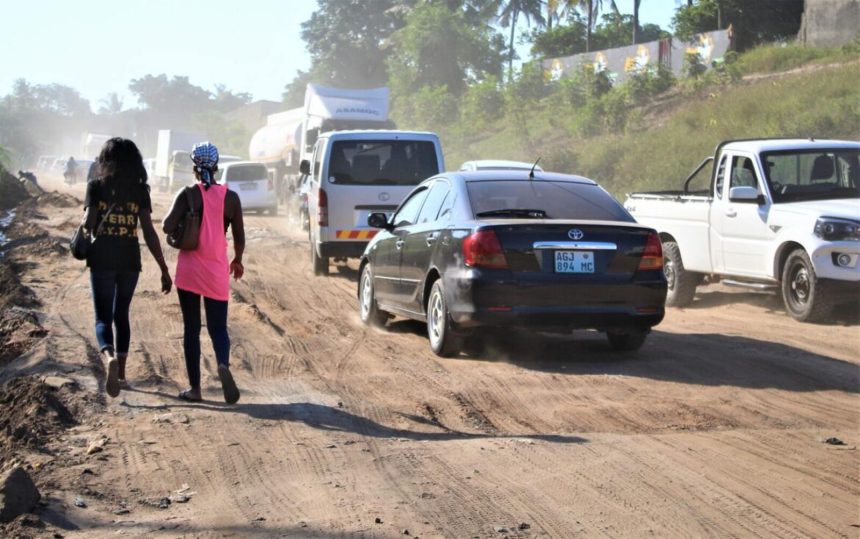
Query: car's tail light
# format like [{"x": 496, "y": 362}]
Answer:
[
  {"x": 483, "y": 250},
  {"x": 271, "y": 185},
  {"x": 652, "y": 256},
  {"x": 322, "y": 208}
]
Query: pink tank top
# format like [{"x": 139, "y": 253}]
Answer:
[{"x": 205, "y": 270}]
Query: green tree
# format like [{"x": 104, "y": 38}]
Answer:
[
  {"x": 753, "y": 21},
  {"x": 294, "y": 91},
  {"x": 570, "y": 38},
  {"x": 176, "y": 96},
  {"x": 592, "y": 10},
  {"x": 225, "y": 100},
  {"x": 440, "y": 46},
  {"x": 110, "y": 105},
  {"x": 508, "y": 14},
  {"x": 562, "y": 40},
  {"x": 636, "y": 4},
  {"x": 348, "y": 39}
]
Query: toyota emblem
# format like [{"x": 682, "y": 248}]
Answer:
[
  {"x": 384, "y": 197},
  {"x": 575, "y": 234}
]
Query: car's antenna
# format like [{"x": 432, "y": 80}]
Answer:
[{"x": 532, "y": 171}]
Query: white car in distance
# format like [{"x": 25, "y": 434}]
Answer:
[
  {"x": 497, "y": 164},
  {"x": 250, "y": 180}
]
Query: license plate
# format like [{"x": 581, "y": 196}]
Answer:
[
  {"x": 574, "y": 262},
  {"x": 248, "y": 186}
]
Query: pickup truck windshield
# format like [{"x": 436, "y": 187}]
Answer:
[
  {"x": 382, "y": 162},
  {"x": 796, "y": 176},
  {"x": 539, "y": 199}
]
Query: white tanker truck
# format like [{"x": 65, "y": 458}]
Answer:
[{"x": 288, "y": 137}]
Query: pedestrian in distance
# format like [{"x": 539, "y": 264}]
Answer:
[
  {"x": 116, "y": 203},
  {"x": 204, "y": 271},
  {"x": 27, "y": 177},
  {"x": 70, "y": 173}
]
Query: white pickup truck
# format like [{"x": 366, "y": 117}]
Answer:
[{"x": 772, "y": 214}]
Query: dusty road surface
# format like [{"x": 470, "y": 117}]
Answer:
[{"x": 717, "y": 427}]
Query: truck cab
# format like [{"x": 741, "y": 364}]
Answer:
[
  {"x": 779, "y": 214},
  {"x": 356, "y": 173}
]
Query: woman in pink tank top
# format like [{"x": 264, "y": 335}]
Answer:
[{"x": 205, "y": 272}]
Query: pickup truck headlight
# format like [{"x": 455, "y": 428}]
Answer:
[{"x": 835, "y": 229}]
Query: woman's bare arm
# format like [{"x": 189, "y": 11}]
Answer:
[
  {"x": 150, "y": 236},
  {"x": 233, "y": 207}
]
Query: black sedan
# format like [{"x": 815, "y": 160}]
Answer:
[{"x": 470, "y": 252}]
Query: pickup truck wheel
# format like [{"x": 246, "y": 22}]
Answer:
[
  {"x": 439, "y": 324},
  {"x": 681, "y": 284},
  {"x": 626, "y": 342},
  {"x": 805, "y": 297},
  {"x": 319, "y": 263},
  {"x": 369, "y": 311}
]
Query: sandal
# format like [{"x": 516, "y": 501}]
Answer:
[
  {"x": 231, "y": 392},
  {"x": 190, "y": 395},
  {"x": 123, "y": 384}
]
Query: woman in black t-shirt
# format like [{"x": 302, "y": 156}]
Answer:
[{"x": 117, "y": 202}]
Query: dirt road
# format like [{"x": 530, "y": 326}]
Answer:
[{"x": 715, "y": 428}]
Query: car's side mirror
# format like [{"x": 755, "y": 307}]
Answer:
[
  {"x": 379, "y": 220},
  {"x": 745, "y": 194},
  {"x": 305, "y": 167}
]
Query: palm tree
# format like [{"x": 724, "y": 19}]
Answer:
[
  {"x": 592, "y": 9},
  {"x": 551, "y": 12},
  {"x": 636, "y": 21},
  {"x": 508, "y": 13}
]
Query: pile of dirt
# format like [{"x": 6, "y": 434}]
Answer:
[
  {"x": 26, "y": 526},
  {"x": 31, "y": 415},
  {"x": 60, "y": 200},
  {"x": 19, "y": 330},
  {"x": 12, "y": 191},
  {"x": 12, "y": 292}
]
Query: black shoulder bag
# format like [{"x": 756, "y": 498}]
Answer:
[
  {"x": 81, "y": 240},
  {"x": 187, "y": 234}
]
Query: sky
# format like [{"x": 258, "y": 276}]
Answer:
[{"x": 99, "y": 46}]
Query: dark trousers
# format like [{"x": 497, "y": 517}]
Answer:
[
  {"x": 216, "y": 324},
  {"x": 112, "y": 293}
]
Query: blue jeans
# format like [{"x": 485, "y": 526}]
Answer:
[
  {"x": 112, "y": 293},
  {"x": 216, "y": 324}
]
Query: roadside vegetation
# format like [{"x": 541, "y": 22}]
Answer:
[
  {"x": 650, "y": 132},
  {"x": 450, "y": 67}
]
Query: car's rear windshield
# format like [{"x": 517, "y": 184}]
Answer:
[
  {"x": 382, "y": 162},
  {"x": 543, "y": 199},
  {"x": 244, "y": 173},
  {"x": 182, "y": 160},
  {"x": 800, "y": 175}
]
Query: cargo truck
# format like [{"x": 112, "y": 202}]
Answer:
[
  {"x": 172, "y": 160},
  {"x": 289, "y": 137}
]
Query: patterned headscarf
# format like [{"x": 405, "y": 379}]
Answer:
[{"x": 205, "y": 156}]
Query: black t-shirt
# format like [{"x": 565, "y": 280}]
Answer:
[{"x": 116, "y": 247}]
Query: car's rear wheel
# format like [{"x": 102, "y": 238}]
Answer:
[
  {"x": 368, "y": 309},
  {"x": 805, "y": 297},
  {"x": 319, "y": 263},
  {"x": 680, "y": 283},
  {"x": 273, "y": 210},
  {"x": 439, "y": 325},
  {"x": 626, "y": 341}
]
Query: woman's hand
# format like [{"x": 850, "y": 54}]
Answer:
[
  {"x": 237, "y": 269},
  {"x": 166, "y": 282}
]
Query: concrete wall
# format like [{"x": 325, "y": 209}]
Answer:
[
  {"x": 620, "y": 62},
  {"x": 829, "y": 23}
]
